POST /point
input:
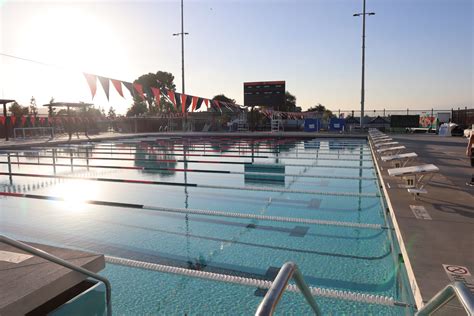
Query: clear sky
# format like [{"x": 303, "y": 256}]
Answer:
[{"x": 419, "y": 53}]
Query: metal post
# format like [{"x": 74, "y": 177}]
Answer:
[
  {"x": 9, "y": 169},
  {"x": 6, "y": 120},
  {"x": 54, "y": 160}
]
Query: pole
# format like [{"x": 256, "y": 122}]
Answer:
[
  {"x": 362, "y": 93},
  {"x": 6, "y": 120},
  {"x": 182, "y": 46},
  {"x": 185, "y": 121}
]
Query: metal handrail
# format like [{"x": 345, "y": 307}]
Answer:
[
  {"x": 454, "y": 289},
  {"x": 270, "y": 301},
  {"x": 64, "y": 263}
]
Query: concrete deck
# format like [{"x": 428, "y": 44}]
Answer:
[
  {"x": 448, "y": 237},
  {"x": 30, "y": 283}
]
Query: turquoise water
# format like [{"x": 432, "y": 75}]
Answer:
[{"x": 353, "y": 259}]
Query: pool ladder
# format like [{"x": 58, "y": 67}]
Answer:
[
  {"x": 288, "y": 271},
  {"x": 47, "y": 256},
  {"x": 443, "y": 297}
]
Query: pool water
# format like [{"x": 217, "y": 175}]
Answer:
[{"x": 160, "y": 187}]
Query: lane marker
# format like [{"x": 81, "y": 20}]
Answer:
[
  {"x": 195, "y": 185},
  {"x": 420, "y": 212}
]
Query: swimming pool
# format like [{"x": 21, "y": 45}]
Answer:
[{"x": 224, "y": 206}]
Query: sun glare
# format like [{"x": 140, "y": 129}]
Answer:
[{"x": 75, "y": 193}]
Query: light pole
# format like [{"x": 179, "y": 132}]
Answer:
[
  {"x": 182, "y": 33},
  {"x": 362, "y": 93}
]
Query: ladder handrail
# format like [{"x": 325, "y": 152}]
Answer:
[
  {"x": 454, "y": 289},
  {"x": 288, "y": 271},
  {"x": 47, "y": 256}
]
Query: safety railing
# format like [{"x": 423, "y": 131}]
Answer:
[
  {"x": 443, "y": 297},
  {"x": 288, "y": 271},
  {"x": 43, "y": 254}
]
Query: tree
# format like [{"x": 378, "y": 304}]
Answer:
[
  {"x": 321, "y": 109},
  {"x": 18, "y": 110},
  {"x": 33, "y": 107},
  {"x": 51, "y": 109},
  {"x": 111, "y": 114},
  {"x": 222, "y": 98},
  {"x": 137, "y": 109},
  {"x": 290, "y": 103},
  {"x": 161, "y": 80}
]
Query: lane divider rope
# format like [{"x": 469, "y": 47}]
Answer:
[
  {"x": 202, "y": 212},
  {"x": 315, "y": 291},
  {"x": 195, "y": 185},
  {"x": 193, "y": 170}
]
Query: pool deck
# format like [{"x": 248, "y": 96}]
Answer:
[
  {"x": 448, "y": 237},
  {"x": 28, "y": 282}
]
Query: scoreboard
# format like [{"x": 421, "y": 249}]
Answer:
[{"x": 264, "y": 93}]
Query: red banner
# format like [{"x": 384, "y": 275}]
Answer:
[
  {"x": 13, "y": 120},
  {"x": 2, "y": 120},
  {"x": 206, "y": 102}
]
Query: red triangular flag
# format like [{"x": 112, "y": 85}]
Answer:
[
  {"x": 216, "y": 103},
  {"x": 183, "y": 102},
  {"x": 92, "y": 82},
  {"x": 157, "y": 93},
  {"x": 139, "y": 89},
  {"x": 105, "y": 85},
  {"x": 194, "y": 103},
  {"x": 171, "y": 96},
  {"x": 118, "y": 86},
  {"x": 206, "y": 101}
]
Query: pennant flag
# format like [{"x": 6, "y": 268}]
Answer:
[
  {"x": 171, "y": 96},
  {"x": 105, "y": 85},
  {"x": 139, "y": 89},
  {"x": 129, "y": 86},
  {"x": 183, "y": 102},
  {"x": 206, "y": 101},
  {"x": 92, "y": 82},
  {"x": 189, "y": 100},
  {"x": 194, "y": 102},
  {"x": 13, "y": 120},
  {"x": 118, "y": 86},
  {"x": 2, "y": 120},
  {"x": 199, "y": 103},
  {"x": 23, "y": 121},
  {"x": 177, "y": 97},
  {"x": 157, "y": 93},
  {"x": 216, "y": 103}
]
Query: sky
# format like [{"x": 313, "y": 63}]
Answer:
[{"x": 419, "y": 53}]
